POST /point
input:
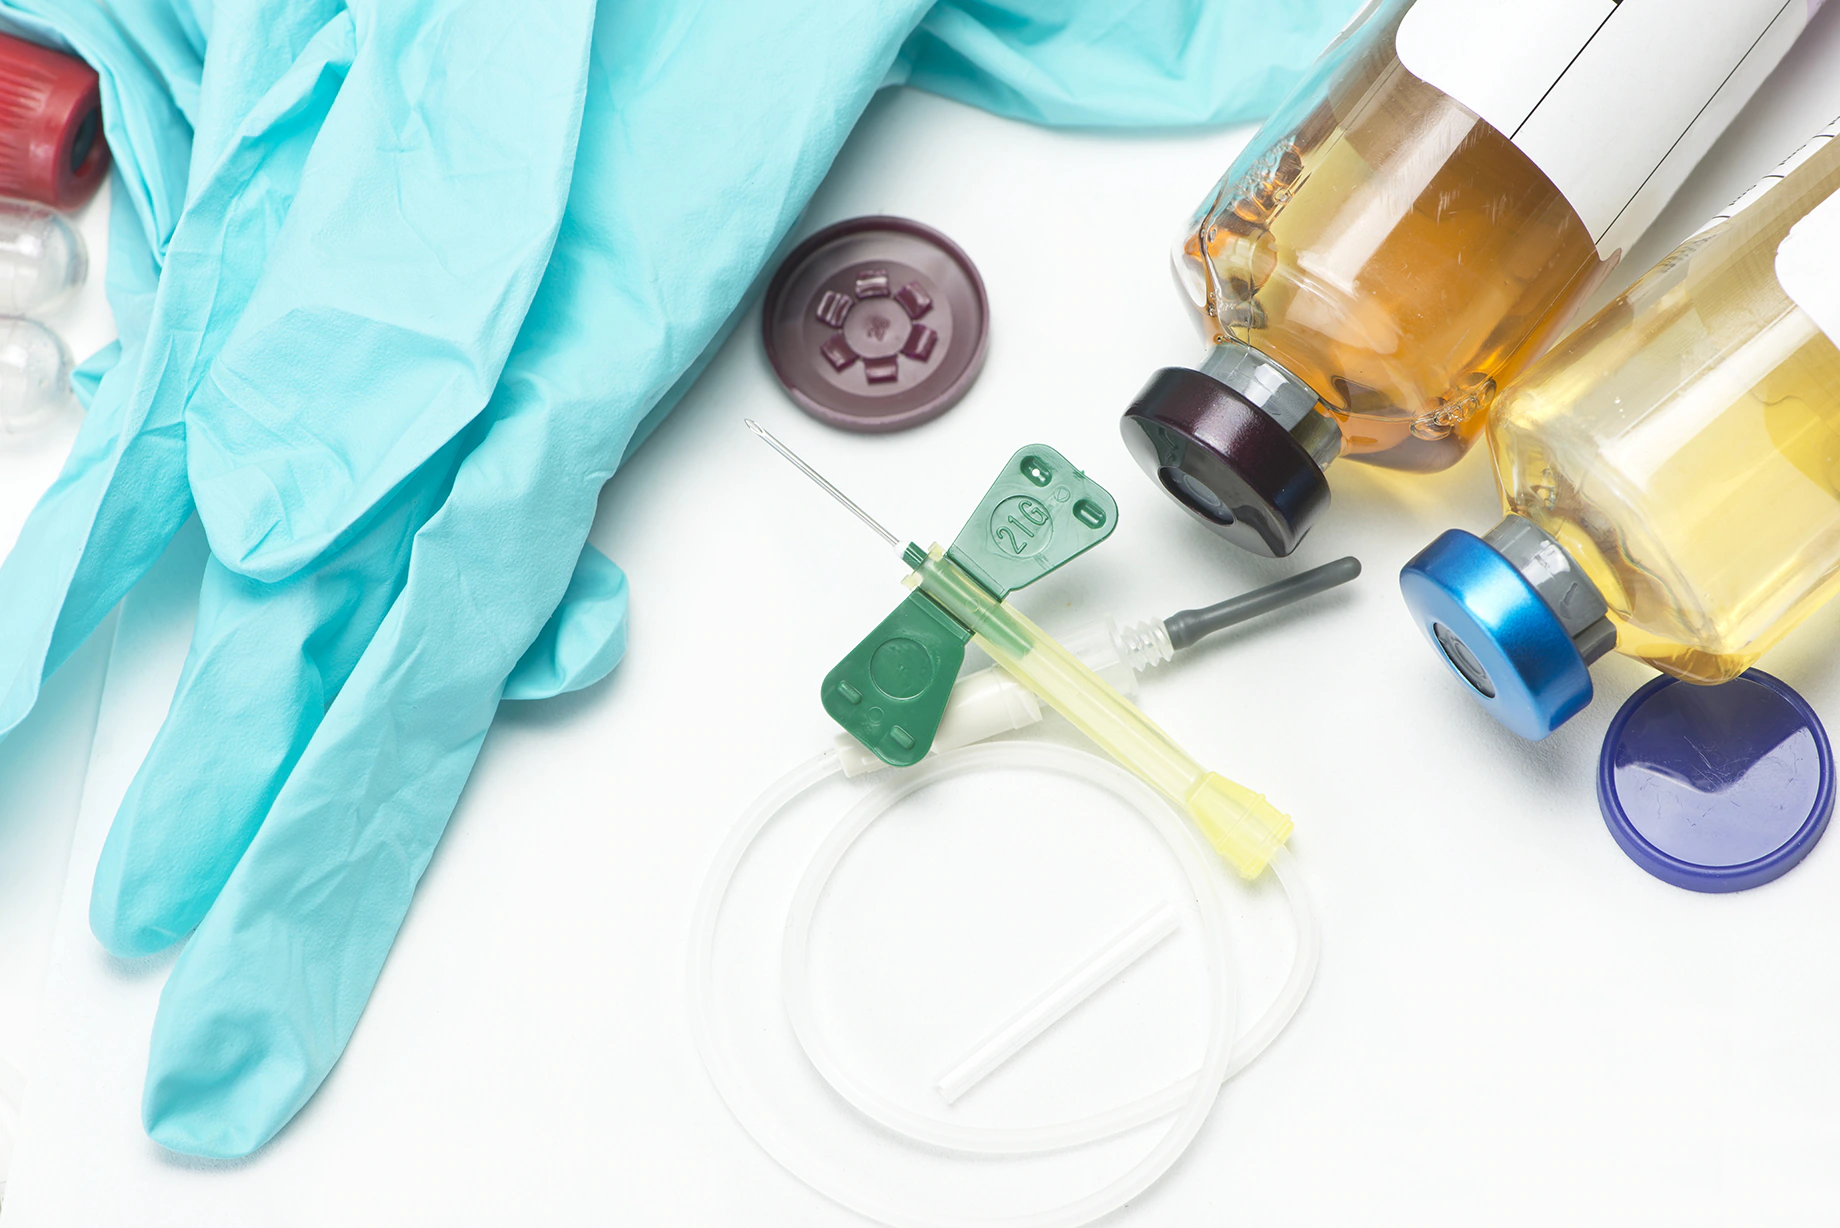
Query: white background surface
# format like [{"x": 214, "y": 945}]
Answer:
[
  {"x": 42, "y": 762},
  {"x": 1512, "y": 1024}
]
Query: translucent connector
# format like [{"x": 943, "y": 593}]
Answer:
[
  {"x": 34, "y": 376},
  {"x": 42, "y": 258},
  {"x": 1146, "y": 644}
]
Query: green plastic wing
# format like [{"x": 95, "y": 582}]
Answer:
[
  {"x": 1039, "y": 513},
  {"x": 891, "y": 691}
]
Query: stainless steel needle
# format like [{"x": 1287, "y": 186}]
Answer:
[{"x": 819, "y": 478}]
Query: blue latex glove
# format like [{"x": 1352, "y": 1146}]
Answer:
[{"x": 398, "y": 494}]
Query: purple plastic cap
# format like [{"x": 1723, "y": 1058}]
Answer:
[
  {"x": 876, "y": 324},
  {"x": 1716, "y": 788}
]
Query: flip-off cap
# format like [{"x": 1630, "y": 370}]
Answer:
[
  {"x": 51, "y": 146},
  {"x": 876, "y": 324},
  {"x": 1716, "y": 788},
  {"x": 1236, "y": 469},
  {"x": 1495, "y": 632}
]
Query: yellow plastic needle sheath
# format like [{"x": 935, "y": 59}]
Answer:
[{"x": 1241, "y": 825}]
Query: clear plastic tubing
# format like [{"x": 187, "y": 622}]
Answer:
[
  {"x": 1186, "y": 1103},
  {"x": 34, "y": 376},
  {"x": 1053, "y": 1004},
  {"x": 42, "y": 258}
]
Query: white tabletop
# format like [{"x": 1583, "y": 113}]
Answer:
[
  {"x": 1512, "y": 1023},
  {"x": 42, "y": 763}
]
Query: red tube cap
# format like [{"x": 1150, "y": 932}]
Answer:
[{"x": 51, "y": 146}]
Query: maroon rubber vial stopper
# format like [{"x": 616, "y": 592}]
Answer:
[
  {"x": 51, "y": 146},
  {"x": 876, "y": 324},
  {"x": 1233, "y": 466}
]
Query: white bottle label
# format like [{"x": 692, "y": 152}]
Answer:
[
  {"x": 1808, "y": 266},
  {"x": 1614, "y": 100}
]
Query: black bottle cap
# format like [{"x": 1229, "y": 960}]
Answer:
[{"x": 1234, "y": 467}]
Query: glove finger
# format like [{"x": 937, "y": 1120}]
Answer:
[
  {"x": 583, "y": 640},
  {"x": 266, "y": 662},
  {"x": 104, "y": 522},
  {"x": 266, "y": 993},
  {"x": 78, "y": 554}
]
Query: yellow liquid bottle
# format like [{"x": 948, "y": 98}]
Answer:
[
  {"x": 1417, "y": 223},
  {"x": 1671, "y": 470}
]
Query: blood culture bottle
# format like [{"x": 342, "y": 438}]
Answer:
[
  {"x": 1670, "y": 471},
  {"x": 1414, "y": 226}
]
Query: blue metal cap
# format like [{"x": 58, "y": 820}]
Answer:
[
  {"x": 1716, "y": 788},
  {"x": 1493, "y": 630}
]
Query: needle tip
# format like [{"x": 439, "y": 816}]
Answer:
[{"x": 755, "y": 427}]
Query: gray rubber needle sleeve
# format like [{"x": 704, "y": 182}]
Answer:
[{"x": 1189, "y": 626}]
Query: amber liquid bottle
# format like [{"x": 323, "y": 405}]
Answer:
[
  {"x": 1416, "y": 225},
  {"x": 1670, "y": 472}
]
